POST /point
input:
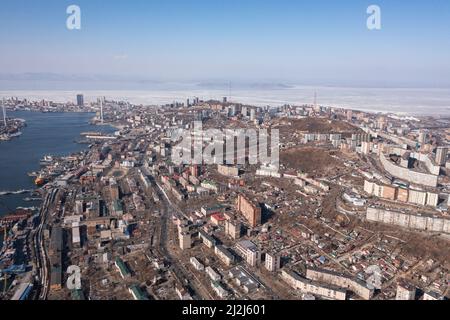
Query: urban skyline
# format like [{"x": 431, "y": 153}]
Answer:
[{"x": 239, "y": 156}]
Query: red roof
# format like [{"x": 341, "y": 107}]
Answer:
[{"x": 219, "y": 217}]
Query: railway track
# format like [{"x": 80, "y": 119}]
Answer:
[{"x": 42, "y": 262}]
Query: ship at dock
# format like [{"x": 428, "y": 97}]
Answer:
[
  {"x": 33, "y": 174},
  {"x": 9, "y": 136},
  {"x": 40, "y": 181},
  {"x": 46, "y": 160},
  {"x": 90, "y": 133},
  {"x": 11, "y": 127}
]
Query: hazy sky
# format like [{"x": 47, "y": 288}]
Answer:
[{"x": 291, "y": 41}]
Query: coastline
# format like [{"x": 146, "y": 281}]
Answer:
[
  {"x": 11, "y": 198},
  {"x": 400, "y": 101}
]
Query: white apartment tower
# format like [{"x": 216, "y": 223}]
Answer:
[
  {"x": 273, "y": 262},
  {"x": 441, "y": 155},
  {"x": 405, "y": 292},
  {"x": 185, "y": 240}
]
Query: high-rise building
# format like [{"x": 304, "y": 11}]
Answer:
[
  {"x": 79, "y": 207},
  {"x": 316, "y": 107},
  {"x": 114, "y": 191},
  {"x": 365, "y": 147},
  {"x": 381, "y": 123},
  {"x": 253, "y": 257},
  {"x": 405, "y": 292},
  {"x": 233, "y": 229},
  {"x": 273, "y": 262},
  {"x": 249, "y": 210},
  {"x": 441, "y": 155},
  {"x": 252, "y": 114},
  {"x": 349, "y": 115},
  {"x": 232, "y": 110},
  {"x": 194, "y": 171},
  {"x": 249, "y": 252},
  {"x": 101, "y": 110},
  {"x": 225, "y": 100},
  {"x": 185, "y": 240},
  {"x": 4, "y": 112},
  {"x": 422, "y": 137},
  {"x": 244, "y": 111},
  {"x": 80, "y": 100}
]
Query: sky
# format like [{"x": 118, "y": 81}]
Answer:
[{"x": 286, "y": 41}]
